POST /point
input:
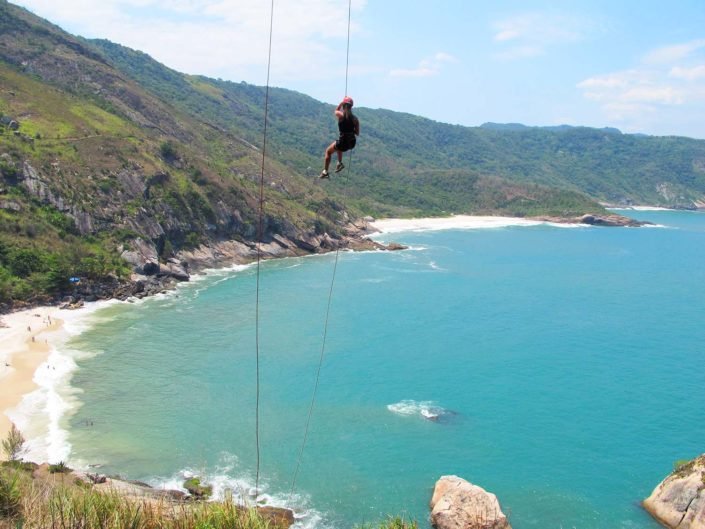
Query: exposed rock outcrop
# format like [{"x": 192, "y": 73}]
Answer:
[
  {"x": 143, "y": 257},
  {"x": 678, "y": 501},
  {"x": 458, "y": 504},
  {"x": 610, "y": 220}
]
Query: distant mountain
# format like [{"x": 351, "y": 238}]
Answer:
[
  {"x": 101, "y": 145},
  {"x": 553, "y": 128}
]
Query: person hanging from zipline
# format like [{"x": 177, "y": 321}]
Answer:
[{"x": 349, "y": 127}]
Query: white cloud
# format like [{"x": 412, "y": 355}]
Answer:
[
  {"x": 691, "y": 74},
  {"x": 671, "y": 54},
  {"x": 667, "y": 85},
  {"x": 444, "y": 57},
  {"x": 530, "y": 35},
  {"x": 426, "y": 67},
  {"x": 219, "y": 38}
]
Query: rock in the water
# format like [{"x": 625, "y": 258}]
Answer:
[
  {"x": 679, "y": 500},
  {"x": 197, "y": 489},
  {"x": 395, "y": 246},
  {"x": 458, "y": 504},
  {"x": 610, "y": 220}
]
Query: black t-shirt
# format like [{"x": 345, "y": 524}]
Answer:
[{"x": 347, "y": 125}]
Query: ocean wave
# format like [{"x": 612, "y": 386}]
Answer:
[
  {"x": 242, "y": 491},
  {"x": 40, "y": 413},
  {"x": 426, "y": 409}
]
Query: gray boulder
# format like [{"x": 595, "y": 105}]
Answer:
[
  {"x": 458, "y": 504},
  {"x": 142, "y": 257},
  {"x": 175, "y": 269}
]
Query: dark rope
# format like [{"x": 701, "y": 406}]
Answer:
[
  {"x": 347, "y": 52},
  {"x": 330, "y": 297},
  {"x": 259, "y": 247},
  {"x": 318, "y": 375}
]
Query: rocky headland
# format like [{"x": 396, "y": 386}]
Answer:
[
  {"x": 610, "y": 220},
  {"x": 678, "y": 502}
]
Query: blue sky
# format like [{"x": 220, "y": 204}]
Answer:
[{"x": 635, "y": 65}]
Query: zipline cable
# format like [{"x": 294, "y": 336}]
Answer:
[
  {"x": 260, "y": 227},
  {"x": 330, "y": 297}
]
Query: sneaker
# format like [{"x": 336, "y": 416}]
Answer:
[
  {"x": 339, "y": 167},
  {"x": 324, "y": 174}
]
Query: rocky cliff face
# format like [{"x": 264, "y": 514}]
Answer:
[{"x": 678, "y": 501}]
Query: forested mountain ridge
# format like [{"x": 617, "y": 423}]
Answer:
[
  {"x": 427, "y": 166},
  {"x": 101, "y": 145}
]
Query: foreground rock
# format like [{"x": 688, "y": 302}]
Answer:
[
  {"x": 458, "y": 504},
  {"x": 679, "y": 500}
]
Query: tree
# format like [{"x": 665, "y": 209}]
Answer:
[{"x": 13, "y": 445}]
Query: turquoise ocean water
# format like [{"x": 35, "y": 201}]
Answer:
[{"x": 566, "y": 364}]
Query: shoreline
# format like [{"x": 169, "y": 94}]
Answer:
[
  {"x": 25, "y": 339},
  {"x": 21, "y": 358},
  {"x": 395, "y": 225},
  {"x": 32, "y": 367},
  {"x": 465, "y": 222}
]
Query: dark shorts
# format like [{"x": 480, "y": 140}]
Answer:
[{"x": 345, "y": 142}]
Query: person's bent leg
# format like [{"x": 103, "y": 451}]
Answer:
[
  {"x": 329, "y": 154},
  {"x": 326, "y": 160}
]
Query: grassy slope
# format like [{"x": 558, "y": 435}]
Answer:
[{"x": 95, "y": 139}]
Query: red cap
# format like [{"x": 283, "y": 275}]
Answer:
[{"x": 348, "y": 100}]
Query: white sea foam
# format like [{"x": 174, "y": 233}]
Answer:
[
  {"x": 426, "y": 409},
  {"x": 40, "y": 413},
  {"x": 434, "y": 266},
  {"x": 242, "y": 491}
]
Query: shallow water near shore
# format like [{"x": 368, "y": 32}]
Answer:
[{"x": 560, "y": 369}]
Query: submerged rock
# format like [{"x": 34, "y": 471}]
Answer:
[
  {"x": 458, "y": 504},
  {"x": 679, "y": 500}
]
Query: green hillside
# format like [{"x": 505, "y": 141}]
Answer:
[{"x": 423, "y": 166}]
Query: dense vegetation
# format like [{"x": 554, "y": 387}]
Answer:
[{"x": 100, "y": 144}]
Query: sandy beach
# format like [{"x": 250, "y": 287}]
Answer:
[
  {"x": 456, "y": 222},
  {"x": 26, "y": 339}
]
